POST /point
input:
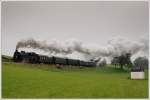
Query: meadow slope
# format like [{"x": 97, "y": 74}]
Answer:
[{"x": 46, "y": 81}]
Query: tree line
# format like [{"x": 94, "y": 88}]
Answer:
[{"x": 125, "y": 61}]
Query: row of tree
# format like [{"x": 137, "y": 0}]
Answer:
[{"x": 124, "y": 61}]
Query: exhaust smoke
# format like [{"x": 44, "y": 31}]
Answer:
[{"x": 115, "y": 47}]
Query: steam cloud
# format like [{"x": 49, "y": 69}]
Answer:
[{"x": 115, "y": 47}]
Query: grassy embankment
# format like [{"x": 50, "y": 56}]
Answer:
[{"x": 46, "y": 81}]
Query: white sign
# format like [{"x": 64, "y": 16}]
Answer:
[{"x": 137, "y": 75}]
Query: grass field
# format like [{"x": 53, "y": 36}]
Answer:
[{"x": 45, "y": 81}]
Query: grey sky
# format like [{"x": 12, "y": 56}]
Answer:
[{"x": 90, "y": 22}]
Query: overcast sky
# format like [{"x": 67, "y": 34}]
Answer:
[{"x": 91, "y": 22}]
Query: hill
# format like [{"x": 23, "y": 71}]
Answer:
[{"x": 6, "y": 58}]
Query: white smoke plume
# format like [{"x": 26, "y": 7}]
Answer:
[{"x": 115, "y": 47}]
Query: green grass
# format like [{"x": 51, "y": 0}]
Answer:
[{"x": 45, "y": 81}]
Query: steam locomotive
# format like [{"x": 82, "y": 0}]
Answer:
[{"x": 32, "y": 57}]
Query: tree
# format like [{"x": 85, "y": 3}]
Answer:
[
  {"x": 123, "y": 60},
  {"x": 141, "y": 62},
  {"x": 115, "y": 61}
]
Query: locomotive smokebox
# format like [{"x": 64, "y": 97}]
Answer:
[{"x": 16, "y": 56}]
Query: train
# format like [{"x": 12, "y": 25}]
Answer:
[{"x": 34, "y": 58}]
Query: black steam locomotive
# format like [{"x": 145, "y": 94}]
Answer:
[{"x": 31, "y": 57}]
